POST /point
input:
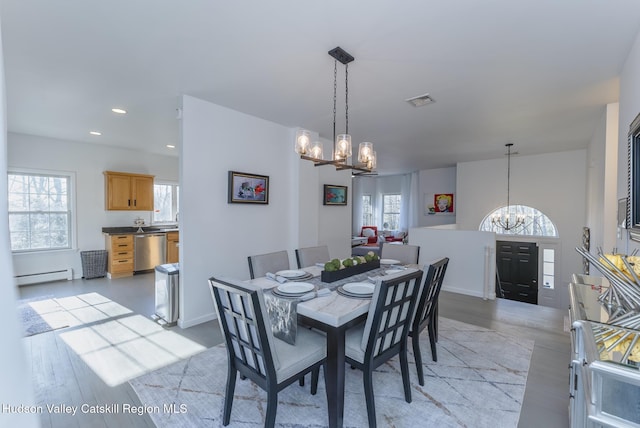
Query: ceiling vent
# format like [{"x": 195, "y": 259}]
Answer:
[{"x": 421, "y": 100}]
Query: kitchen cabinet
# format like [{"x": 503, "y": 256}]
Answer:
[
  {"x": 120, "y": 255},
  {"x": 128, "y": 192},
  {"x": 173, "y": 249}
]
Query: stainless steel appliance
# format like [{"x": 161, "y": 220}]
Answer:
[
  {"x": 167, "y": 287},
  {"x": 150, "y": 251}
]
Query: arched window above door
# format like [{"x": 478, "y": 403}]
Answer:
[{"x": 535, "y": 222}]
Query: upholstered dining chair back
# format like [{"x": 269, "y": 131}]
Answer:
[
  {"x": 384, "y": 334},
  {"x": 261, "y": 264},
  {"x": 311, "y": 255},
  {"x": 390, "y": 314},
  {"x": 244, "y": 322},
  {"x": 406, "y": 254},
  {"x": 426, "y": 312},
  {"x": 254, "y": 352}
]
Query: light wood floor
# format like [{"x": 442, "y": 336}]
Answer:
[{"x": 60, "y": 375}]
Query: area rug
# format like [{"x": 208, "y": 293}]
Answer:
[
  {"x": 478, "y": 381},
  {"x": 41, "y": 315}
]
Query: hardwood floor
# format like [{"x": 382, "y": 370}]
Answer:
[{"x": 63, "y": 374}]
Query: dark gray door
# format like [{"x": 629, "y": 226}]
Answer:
[{"x": 518, "y": 270}]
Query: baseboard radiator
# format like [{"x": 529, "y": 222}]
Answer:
[{"x": 35, "y": 278}]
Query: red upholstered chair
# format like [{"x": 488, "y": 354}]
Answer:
[
  {"x": 371, "y": 239},
  {"x": 397, "y": 237}
]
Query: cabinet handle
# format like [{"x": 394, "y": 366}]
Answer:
[
  {"x": 128, "y": 202},
  {"x": 122, "y": 253},
  {"x": 122, "y": 245},
  {"x": 135, "y": 202},
  {"x": 123, "y": 261}
]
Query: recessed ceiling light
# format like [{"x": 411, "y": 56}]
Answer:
[
  {"x": 95, "y": 133},
  {"x": 421, "y": 100},
  {"x": 119, "y": 111},
  {"x": 171, "y": 146}
]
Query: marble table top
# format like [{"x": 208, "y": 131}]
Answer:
[{"x": 334, "y": 309}]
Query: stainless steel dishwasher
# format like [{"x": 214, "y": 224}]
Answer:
[{"x": 150, "y": 251}]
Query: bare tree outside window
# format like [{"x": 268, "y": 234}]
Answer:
[
  {"x": 391, "y": 210},
  {"x": 39, "y": 211}
]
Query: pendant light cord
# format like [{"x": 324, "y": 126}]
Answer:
[
  {"x": 508, "y": 177},
  {"x": 346, "y": 97},
  {"x": 335, "y": 87}
]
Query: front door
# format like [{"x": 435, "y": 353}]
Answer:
[{"x": 518, "y": 270}]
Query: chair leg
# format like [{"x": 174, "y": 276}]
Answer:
[
  {"x": 404, "y": 368},
  {"x": 367, "y": 375},
  {"x": 435, "y": 321},
  {"x": 415, "y": 341},
  {"x": 228, "y": 395},
  {"x": 315, "y": 374},
  {"x": 272, "y": 407},
  {"x": 432, "y": 340}
]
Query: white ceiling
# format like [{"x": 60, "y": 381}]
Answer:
[{"x": 537, "y": 73}]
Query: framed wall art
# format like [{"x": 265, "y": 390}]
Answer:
[
  {"x": 334, "y": 195},
  {"x": 443, "y": 203},
  {"x": 248, "y": 188}
]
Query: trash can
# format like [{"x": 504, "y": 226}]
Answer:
[
  {"x": 94, "y": 263},
  {"x": 167, "y": 286}
]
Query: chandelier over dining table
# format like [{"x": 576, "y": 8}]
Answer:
[
  {"x": 342, "y": 151},
  {"x": 506, "y": 220}
]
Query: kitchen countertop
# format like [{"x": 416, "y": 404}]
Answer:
[{"x": 133, "y": 230}]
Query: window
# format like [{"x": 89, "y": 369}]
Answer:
[
  {"x": 548, "y": 268},
  {"x": 165, "y": 203},
  {"x": 367, "y": 211},
  {"x": 535, "y": 222},
  {"x": 39, "y": 211},
  {"x": 391, "y": 211}
]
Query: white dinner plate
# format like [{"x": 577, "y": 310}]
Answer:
[
  {"x": 295, "y": 287},
  {"x": 291, "y": 273},
  {"x": 359, "y": 288},
  {"x": 389, "y": 262},
  {"x": 392, "y": 271}
]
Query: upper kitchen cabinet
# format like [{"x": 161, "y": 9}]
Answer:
[{"x": 130, "y": 192}]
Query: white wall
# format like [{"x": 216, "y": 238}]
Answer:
[
  {"x": 433, "y": 181},
  {"x": 472, "y": 258},
  {"x": 87, "y": 163},
  {"x": 15, "y": 378},
  {"x": 629, "y": 109},
  {"x": 596, "y": 158},
  {"x": 554, "y": 183},
  {"x": 216, "y": 237}
]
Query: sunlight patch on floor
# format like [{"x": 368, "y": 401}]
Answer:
[{"x": 117, "y": 344}]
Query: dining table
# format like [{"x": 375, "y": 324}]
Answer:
[{"x": 333, "y": 314}]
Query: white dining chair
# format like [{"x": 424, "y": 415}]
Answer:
[
  {"x": 255, "y": 353},
  {"x": 406, "y": 254},
  {"x": 261, "y": 264},
  {"x": 311, "y": 255}
]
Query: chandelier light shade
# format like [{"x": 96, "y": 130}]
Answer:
[
  {"x": 316, "y": 150},
  {"x": 303, "y": 140},
  {"x": 508, "y": 219},
  {"x": 342, "y": 147}
]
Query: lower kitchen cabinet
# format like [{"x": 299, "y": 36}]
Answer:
[
  {"x": 173, "y": 247},
  {"x": 120, "y": 260}
]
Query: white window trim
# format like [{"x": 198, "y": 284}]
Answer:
[{"x": 73, "y": 223}]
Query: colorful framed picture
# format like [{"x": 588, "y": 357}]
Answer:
[
  {"x": 443, "y": 203},
  {"x": 248, "y": 188},
  {"x": 334, "y": 195}
]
